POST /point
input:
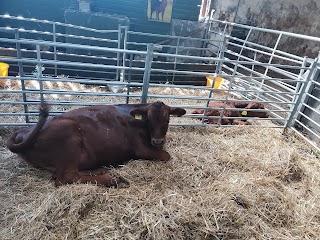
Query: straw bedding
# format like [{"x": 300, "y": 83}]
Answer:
[{"x": 221, "y": 183}]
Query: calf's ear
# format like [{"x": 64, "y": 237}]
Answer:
[
  {"x": 177, "y": 111},
  {"x": 138, "y": 112},
  {"x": 252, "y": 106}
]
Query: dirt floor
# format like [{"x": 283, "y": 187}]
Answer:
[{"x": 221, "y": 183}]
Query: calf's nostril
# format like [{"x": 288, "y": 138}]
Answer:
[{"x": 158, "y": 142}]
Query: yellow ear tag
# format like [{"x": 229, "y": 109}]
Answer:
[
  {"x": 244, "y": 113},
  {"x": 138, "y": 116}
]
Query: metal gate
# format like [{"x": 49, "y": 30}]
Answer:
[{"x": 109, "y": 67}]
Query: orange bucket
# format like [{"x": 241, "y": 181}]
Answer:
[
  {"x": 3, "y": 72},
  {"x": 217, "y": 83}
]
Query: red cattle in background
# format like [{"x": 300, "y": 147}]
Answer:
[{"x": 159, "y": 7}]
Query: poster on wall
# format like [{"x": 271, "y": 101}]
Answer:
[{"x": 160, "y": 10}]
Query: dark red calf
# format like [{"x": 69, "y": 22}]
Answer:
[
  {"x": 233, "y": 113},
  {"x": 80, "y": 141}
]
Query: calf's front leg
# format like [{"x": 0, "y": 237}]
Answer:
[
  {"x": 104, "y": 179},
  {"x": 153, "y": 154}
]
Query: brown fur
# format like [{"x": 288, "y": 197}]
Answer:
[
  {"x": 232, "y": 113},
  {"x": 85, "y": 139}
]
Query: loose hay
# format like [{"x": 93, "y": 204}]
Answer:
[
  {"x": 221, "y": 183},
  {"x": 234, "y": 183}
]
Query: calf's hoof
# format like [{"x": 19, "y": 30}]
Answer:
[
  {"x": 165, "y": 157},
  {"x": 121, "y": 182}
]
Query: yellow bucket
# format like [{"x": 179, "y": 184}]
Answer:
[
  {"x": 3, "y": 72},
  {"x": 217, "y": 83}
]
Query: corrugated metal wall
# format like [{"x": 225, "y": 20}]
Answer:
[{"x": 135, "y": 10}]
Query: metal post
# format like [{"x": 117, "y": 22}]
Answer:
[
  {"x": 301, "y": 73},
  {"x": 55, "y": 48},
  {"x": 21, "y": 74},
  {"x": 309, "y": 90},
  {"x": 221, "y": 55},
  {"x": 238, "y": 59},
  {"x": 222, "y": 44},
  {"x": 240, "y": 53},
  {"x": 217, "y": 72},
  {"x": 39, "y": 73},
  {"x": 205, "y": 43},
  {"x": 224, "y": 30},
  {"x": 298, "y": 86},
  {"x": 301, "y": 94},
  {"x": 118, "y": 54},
  {"x": 252, "y": 67},
  {"x": 227, "y": 97},
  {"x": 270, "y": 60},
  {"x": 129, "y": 78},
  {"x": 175, "y": 59},
  {"x": 124, "y": 54},
  {"x": 147, "y": 72}
]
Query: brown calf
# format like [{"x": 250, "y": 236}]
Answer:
[
  {"x": 233, "y": 113},
  {"x": 71, "y": 144}
]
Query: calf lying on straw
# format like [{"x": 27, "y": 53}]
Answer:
[{"x": 231, "y": 111}]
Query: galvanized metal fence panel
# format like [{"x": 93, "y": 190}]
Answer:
[{"x": 69, "y": 75}]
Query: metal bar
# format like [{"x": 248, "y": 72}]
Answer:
[
  {"x": 311, "y": 108},
  {"x": 298, "y": 85},
  {"x": 270, "y": 79},
  {"x": 271, "y": 58},
  {"x": 316, "y": 83},
  {"x": 70, "y": 45},
  {"x": 21, "y": 74},
  {"x": 75, "y": 64},
  {"x": 39, "y": 73},
  {"x": 57, "y": 23},
  {"x": 54, "y": 48},
  {"x": 308, "y": 128},
  {"x": 61, "y": 35},
  {"x": 171, "y": 125},
  {"x": 84, "y": 81},
  {"x": 87, "y": 93},
  {"x": 310, "y": 119},
  {"x": 268, "y": 89},
  {"x": 274, "y": 67},
  {"x": 118, "y": 54},
  {"x": 298, "y": 61},
  {"x": 301, "y": 36},
  {"x": 167, "y": 36},
  {"x": 215, "y": 125},
  {"x": 64, "y": 92},
  {"x": 147, "y": 72},
  {"x": 124, "y": 54},
  {"x": 62, "y": 103},
  {"x": 87, "y": 47},
  {"x": 129, "y": 78},
  {"x": 170, "y": 46},
  {"x": 217, "y": 71},
  {"x": 87, "y": 38},
  {"x": 62, "y": 54},
  {"x": 226, "y": 99},
  {"x": 244, "y": 44},
  {"x": 313, "y": 97},
  {"x": 175, "y": 59},
  {"x": 313, "y": 144}
]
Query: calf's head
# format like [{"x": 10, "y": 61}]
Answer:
[
  {"x": 253, "y": 105},
  {"x": 156, "y": 115}
]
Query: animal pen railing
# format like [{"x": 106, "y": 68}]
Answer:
[{"x": 69, "y": 66}]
